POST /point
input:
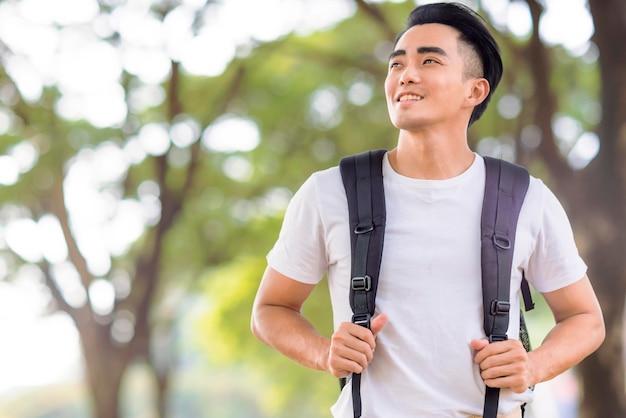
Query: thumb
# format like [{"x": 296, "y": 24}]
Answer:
[
  {"x": 378, "y": 323},
  {"x": 479, "y": 344}
]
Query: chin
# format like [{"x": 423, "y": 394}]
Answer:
[{"x": 409, "y": 125}]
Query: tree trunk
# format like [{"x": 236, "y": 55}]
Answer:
[
  {"x": 105, "y": 365},
  {"x": 604, "y": 220},
  {"x": 602, "y": 224},
  {"x": 162, "y": 381},
  {"x": 160, "y": 361}
]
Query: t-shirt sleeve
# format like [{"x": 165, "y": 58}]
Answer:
[
  {"x": 299, "y": 252},
  {"x": 555, "y": 262}
]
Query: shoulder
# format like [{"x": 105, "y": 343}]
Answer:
[
  {"x": 321, "y": 185},
  {"x": 537, "y": 191},
  {"x": 541, "y": 208},
  {"x": 319, "y": 181},
  {"x": 320, "y": 192},
  {"x": 542, "y": 215},
  {"x": 328, "y": 177},
  {"x": 541, "y": 200}
]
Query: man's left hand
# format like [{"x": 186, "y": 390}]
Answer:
[{"x": 503, "y": 364}]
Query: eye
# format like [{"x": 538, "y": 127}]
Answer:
[
  {"x": 394, "y": 65},
  {"x": 430, "y": 61}
]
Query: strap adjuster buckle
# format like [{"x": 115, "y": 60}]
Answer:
[
  {"x": 500, "y": 307},
  {"x": 363, "y": 283},
  {"x": 497, "y": 338},
  {"x": 363, "y": 320}
]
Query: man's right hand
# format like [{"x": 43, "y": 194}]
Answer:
[{"x": 352, "y": 347}]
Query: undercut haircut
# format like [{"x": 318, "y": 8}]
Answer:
[{"x": 482, "y": 57}]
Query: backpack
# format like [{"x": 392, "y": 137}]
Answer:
[{"x": 505, "y": 188}]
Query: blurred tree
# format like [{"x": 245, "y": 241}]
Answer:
[
  {"x": 601, "y": 215},
  {"x": 210, "y": 206},
  {"x": 83, "y": 179}
]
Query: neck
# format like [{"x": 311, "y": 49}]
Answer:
[{"x": 422, "y": 155}]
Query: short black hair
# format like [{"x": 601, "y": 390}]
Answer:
[{"x": 473, "y": 32}]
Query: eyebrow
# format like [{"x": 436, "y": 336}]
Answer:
[
  {"x": 420, "y": 50},
  {"x": 431, "y": 50}
]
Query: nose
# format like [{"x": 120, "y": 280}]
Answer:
[{"x": 409, "y": 76}]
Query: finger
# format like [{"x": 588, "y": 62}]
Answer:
[
  {"x": 378, "y": 323},
  {"x": 353, "y": 343},
  {"x": 352, "y": 347},
  {"x": 517, "y": 383},
  {"x": 347, "y": 330},
  {"x": 342, "y": 367},
  {"x": 500, "y": 353},
  {"x": 479, "y": 344},
  {"x": 506, "y": 369},
  {"x": 358, "y": 351},
  {"x": 503, "y": 368},
  {"x": 344, "y": 359}
]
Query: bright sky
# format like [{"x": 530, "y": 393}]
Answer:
[
  {"x": 36, "y": 350},
  {"x": 58, "y": 42}
]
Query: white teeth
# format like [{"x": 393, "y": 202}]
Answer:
[{"x": 406, "y": 97}]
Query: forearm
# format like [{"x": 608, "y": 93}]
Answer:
[
  {"x": 566, "y": 345},
  {"x": 291, "y": 334}
]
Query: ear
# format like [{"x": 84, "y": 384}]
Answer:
[{"x": 478, "y": 90}]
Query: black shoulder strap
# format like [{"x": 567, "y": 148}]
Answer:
[
  {"x": 505, "y": 188},
  {"x": 363, "y": 180}
]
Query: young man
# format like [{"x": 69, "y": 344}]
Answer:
[{"x": 425, "y": 354}]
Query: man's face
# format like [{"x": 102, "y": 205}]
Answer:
[{"x": 426, "y": 83}]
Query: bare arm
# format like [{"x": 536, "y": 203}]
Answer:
[
  {"x": 277, "y": 321},
  {"x": 578, "y": 332}
]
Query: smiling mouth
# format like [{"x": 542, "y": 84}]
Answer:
[{"x": 410, "y": 97}]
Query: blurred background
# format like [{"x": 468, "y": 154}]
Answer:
[{"x": 148, "y": 149}]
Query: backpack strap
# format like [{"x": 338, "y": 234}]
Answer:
[
  {"x": 527, "y": 296},
  {"x": 362, "y": 177},
  {"x": 505, "y": 188}
]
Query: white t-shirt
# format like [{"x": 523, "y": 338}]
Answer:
[{"x": 429, "y": 284}]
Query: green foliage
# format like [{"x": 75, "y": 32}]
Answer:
[{"x": 224, "y": 332}]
